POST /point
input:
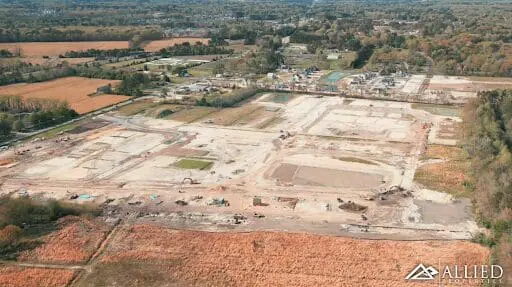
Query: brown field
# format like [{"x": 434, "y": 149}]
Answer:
[
  {"x": 445, "y": 176},
  {"x": 75, "y": 242},
  {"x": 136, "y": 107},
  {"x": 74, "y": 90},
  {"x": 443, "y": 152},
  {"x": 237, "y": 115},
  {"x": 150, "y": 255},
  {"x": 157, "y": 45},
  {"x": 11, "y": 276},
  {"x": 39, "y": 49},
  {"x": 193, "y": 114}
]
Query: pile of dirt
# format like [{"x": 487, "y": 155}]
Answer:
[
  {"x": 193, "y": 258},
  {"x": 75, "y": 242},
  {"x": 352, "y": 206}
]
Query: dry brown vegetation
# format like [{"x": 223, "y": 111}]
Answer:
[
  {"x": 445, "y": 176},
  {"x": 232, "y": 116},
  {"x": 11, "y": 276},
  {"x": 443, "y": 152},
  {"x": 75, "y": 242},
  {"x": 136, "y": 107},
  {"x": 39, "y": 49},
  {"x": 157, "y": 45},
  {"x": 193, "y": 114},
  {"x": 450, "y": 175},
  {"x": 75, "y": 91},
  {"x": 149, "y": 255}
]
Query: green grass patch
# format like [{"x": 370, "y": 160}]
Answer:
[{"x": 193, "y": 164}]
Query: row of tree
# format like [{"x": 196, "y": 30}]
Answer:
[
  {"x": 224, "y": 101},
  {"x": 186, "y": 49},
  {"x": 29, "y": 115},
  {"x": 71, "y": 35},
  {"x": 102, "y": 54},
  {"x": 488, "y": 141}
]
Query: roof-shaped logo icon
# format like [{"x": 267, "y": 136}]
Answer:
[{"x": 422, "y": 273}]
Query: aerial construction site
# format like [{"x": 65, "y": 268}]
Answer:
[{"x": 285, "y": 189}]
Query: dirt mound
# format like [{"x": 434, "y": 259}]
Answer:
[
  {"x": 194, "y": 258},
  {"x": 352, "y": 206}
]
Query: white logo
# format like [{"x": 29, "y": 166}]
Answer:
[{"x": 422, "y": 273}]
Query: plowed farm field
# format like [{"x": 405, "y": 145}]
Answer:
[
  {"x": 76, "y": 91},
  {"x": 39, "y": 49},
  {"x": 195, "y": 258},
  {"x": 157, "y": 45}
]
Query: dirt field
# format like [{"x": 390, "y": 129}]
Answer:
[
  {"x": 306, "y": 175},
  {"x": 34, "y": 277},
  {"x": 157, "y": 45},
  {"x": 268, "y": 259},
  {"x": 40, "y": 49},
  {"x": 74, "y": 90}
]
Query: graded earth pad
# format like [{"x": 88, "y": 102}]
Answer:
[
  {"x": 190, "y": 258},
  {"x": 324, "y": 155},
  {"x": 317, "y": 176}
]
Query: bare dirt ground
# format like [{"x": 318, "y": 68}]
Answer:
[
  {"x": 75, "y": 91},
  {"x": 40, "y": 49}
]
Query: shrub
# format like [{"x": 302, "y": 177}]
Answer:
[{"x": 9, "y": 235}]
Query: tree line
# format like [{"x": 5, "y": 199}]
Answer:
[
  {"x": 18, "y": 114},
  {"x": 102, "y": 54},
  {"x": 186, "y": 49},
  {"x": 488, "y": 141}
]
